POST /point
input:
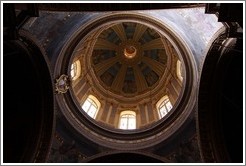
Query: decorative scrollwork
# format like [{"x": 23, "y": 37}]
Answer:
[{"x": 62, "y": 84}]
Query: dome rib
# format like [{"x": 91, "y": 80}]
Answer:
[{"x": 129, "y": 44}]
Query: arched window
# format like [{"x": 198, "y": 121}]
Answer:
[
  {"x": 163, "y": 106},
  {"x": 75, "y": 70},
  {"x": 91, "y": 106},
  {"x": 179, "y": 70},
  {"x": 127, "y": 120}
]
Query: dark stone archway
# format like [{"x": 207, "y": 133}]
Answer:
[
  {"x": 220, "y": 112},
  {"x": 28, "y": 116}
]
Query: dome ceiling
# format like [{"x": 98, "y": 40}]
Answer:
[
  {"x": 126, "y": 66},
  {"x": 129, "y": 58}
]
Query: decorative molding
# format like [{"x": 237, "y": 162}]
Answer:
[{"x": 62, "y": 84}]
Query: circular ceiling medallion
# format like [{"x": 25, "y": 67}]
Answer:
[{"x": 130, "y": 52}]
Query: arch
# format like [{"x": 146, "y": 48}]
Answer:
[
  {"x": 126, "y": 157},
  {"x": 163, "y": 106},
  {"x": 127, "y": 120},
  {"x": 91, "y": 106},
  {"x": 75, "y": 70},
  {"x": 220, "y": 94},
  {"x": 36, "y": 120}
]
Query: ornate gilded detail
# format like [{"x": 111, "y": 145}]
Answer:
[{"x": 62, "y": 84}]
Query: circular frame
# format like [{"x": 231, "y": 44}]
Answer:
[{"x": 139, "y": 138}]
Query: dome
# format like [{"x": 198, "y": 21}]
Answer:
[
  {"x": 126, "y": 66},
  {"x": 129, "y": 59},
  {"x": 123, "y": 82},
  {"x": 128, "y": 77}
]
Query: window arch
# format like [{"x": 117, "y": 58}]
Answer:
[
  {"x": 179, "y": 70},
  {"x": 127, "y": 120},
  {"x": 91, "y": 106},
  {"x": 75, "y": 70},
  {"x": 163, "y": 106}
]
